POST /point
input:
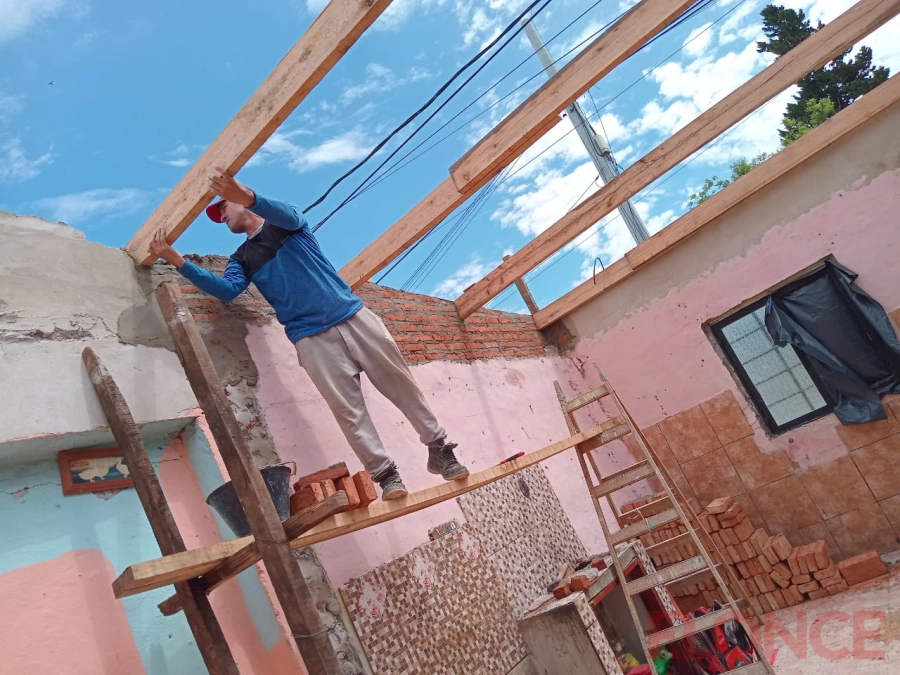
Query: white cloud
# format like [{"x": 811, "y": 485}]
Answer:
[
  {"x": 315, "y": 6},
  {"x": 86, "y": 40},
  {"x": 465, "y": 276},
  {"x": 380, "y": 79},
  {"x": 10, "y": 105},
  {"x": 17, "y": 16},
  {"x": 180, "y": 157},
  {"x": 15, "y": 166},
  {"x": 94, "y": 205},
  {"x": 698, "y": 42},
  {"x": 350, "y": 146}
]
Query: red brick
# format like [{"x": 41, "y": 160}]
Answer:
[
  {"x": 561, "y": 591},
  {"x": 781, "y": 546},
  {"x": 808, "y": 588},
  {"x": 779, "y": 580},
  {"x": 598, "y": 564},
  {"x": 758, "y": 539},
  {"x": 819, "y": 550},
  {"x": 349, "y": 487},
  {"x": 721, "y": 505},
  {"x": 818, "y": 593},
  {"x": 801, "y": 579},
  {"x": 861, "y": 568},
  {"x": 830, "y": 571},
  {"x": 365, "y": 488},
  {"x": 308, "y": 496},
  {"x": 579, "y": 583},
  {"x": 793, "y": 562},
  {"x": 328, "y": 488},
  {"x": 838, "y": 588},
  {"x": 832, "y": 581},
  {"x": 744, "y": 529}
]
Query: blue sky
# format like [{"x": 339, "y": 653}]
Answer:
[{"x": 139, "y": 89}]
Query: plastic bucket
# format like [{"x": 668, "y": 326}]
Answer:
[{"x": 225, "y": 501}]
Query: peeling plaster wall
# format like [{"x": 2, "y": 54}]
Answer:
[{"x": 59, "y": 294}]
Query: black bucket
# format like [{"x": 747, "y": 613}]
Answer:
[{"x": 224, "y": 499}]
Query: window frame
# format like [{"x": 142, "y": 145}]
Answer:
[{"x": 734, "y": 363}]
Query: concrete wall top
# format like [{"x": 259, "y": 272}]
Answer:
[{"x": 58, "y": 294}]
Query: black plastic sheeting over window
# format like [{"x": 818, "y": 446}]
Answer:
[{"x": 847, "y": 336}]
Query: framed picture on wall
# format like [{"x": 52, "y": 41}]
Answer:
[{"x": 93, "y": 470}]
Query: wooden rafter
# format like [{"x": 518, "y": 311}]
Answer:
[
  {"x": 171, "y": 569},
  {"x": 329, "y": 37},
  {"x": 795, "y": 154},
  {"x": 521, "y": 129},
  {"x": 839, "y": 35}
]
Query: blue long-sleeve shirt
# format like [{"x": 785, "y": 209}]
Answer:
[{"x": 285, "y": 262}]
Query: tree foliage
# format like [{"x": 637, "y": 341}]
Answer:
[
  {"x": 712, "y": 185},
  {"x": 820, "y": 94}
]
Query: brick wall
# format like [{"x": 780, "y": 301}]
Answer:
[{"x": 425, "y": 328}]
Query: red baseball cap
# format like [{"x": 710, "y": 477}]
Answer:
[{"x": 214, "y": 211}]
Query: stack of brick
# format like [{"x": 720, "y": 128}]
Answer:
[
  {"x": 774, "y": 573},
  {"x": 319, "y": 486}
]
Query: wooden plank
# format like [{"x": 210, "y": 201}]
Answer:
[
  {"x": 532, "y": 121},
  {"x": 153, "y": 574},
  {"x": 794, "y": 155},
  {"x": 421, "y": 219},
  {"x": 290, "y": 587},
  {"x": 586, "y": 399},
  {"x": 622, "y": 479},
  {"x": 249, "y": 555},
  {"x": 839, "y": 35},
  {"x": 666, "y": 575},
  {"x": 651, "y": 509},
  {"x": 329, "y": 37},
  {"x": 200, "y": 616},
  {"x": 669, "y": 635},
  {"x": 516, "y": 132},
  {"x": 643, "y": 526}
]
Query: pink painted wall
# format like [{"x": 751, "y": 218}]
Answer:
[
  {"x": 659, "y": 357},
  {"x": 198, "y": 528},
  {"x": 75, "y": 625},
  {"x": 493, "y": 408}
]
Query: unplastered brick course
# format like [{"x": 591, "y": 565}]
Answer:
[{"x": 425, "y": 328}]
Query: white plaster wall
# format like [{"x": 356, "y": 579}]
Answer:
[{"x": 59, "y": 294}]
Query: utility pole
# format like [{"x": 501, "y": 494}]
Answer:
[{"x": 595, "y": 144}]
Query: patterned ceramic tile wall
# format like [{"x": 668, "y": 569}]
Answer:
[
  {"x": 439, "y": 610},
  {"x": 524, "y": 532}
]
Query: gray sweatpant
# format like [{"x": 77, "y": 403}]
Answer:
[{"x": 334, "y": 359}]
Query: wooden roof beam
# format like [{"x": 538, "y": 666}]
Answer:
[
  {"x": 329, "y": 37},
  {"x": 520, "y": 130},
  {"x": 820, "y": 138},
  {"x": 839, "y": 35}
]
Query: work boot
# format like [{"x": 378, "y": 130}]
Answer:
[
  {"x": 391, "y": 485},
  {"x": 442, "y": 461}
]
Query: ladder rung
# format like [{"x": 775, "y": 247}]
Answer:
[
  {"x": 667, "y": 575},
  {"x": 619, "y": 427},
  {"x": 675, "y": 633},
  {"x": 643, "y": 527},
  {"x": 698, "y": 577},
  {"x": 585, "y": 399},
  {"x": 622, "y": 479},
  {"x": 667, "y": 545},
  {"x": 645, "y": 511}
]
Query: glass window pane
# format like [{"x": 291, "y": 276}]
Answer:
[{"x": 779, "y": 377}]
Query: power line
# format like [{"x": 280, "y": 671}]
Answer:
[{"x": 440, "y": 91}]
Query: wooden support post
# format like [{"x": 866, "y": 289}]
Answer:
[
  {"x": 287, "y": 580},
  {"x": 815, "y": 51},
  {"x": 200, "y": 616},
  {"x": 334, "y": 31},
  {"x": 526, "y": 294}
]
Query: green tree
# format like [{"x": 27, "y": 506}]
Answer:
[
  {"x": 712, "y": 185},
  {"x": 841, "y": 81},
  {"x": 820, "y": 94},
  {"x": 817, "y": 111}
]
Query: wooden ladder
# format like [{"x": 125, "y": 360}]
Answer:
[{"x": 646, "y": 518}]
